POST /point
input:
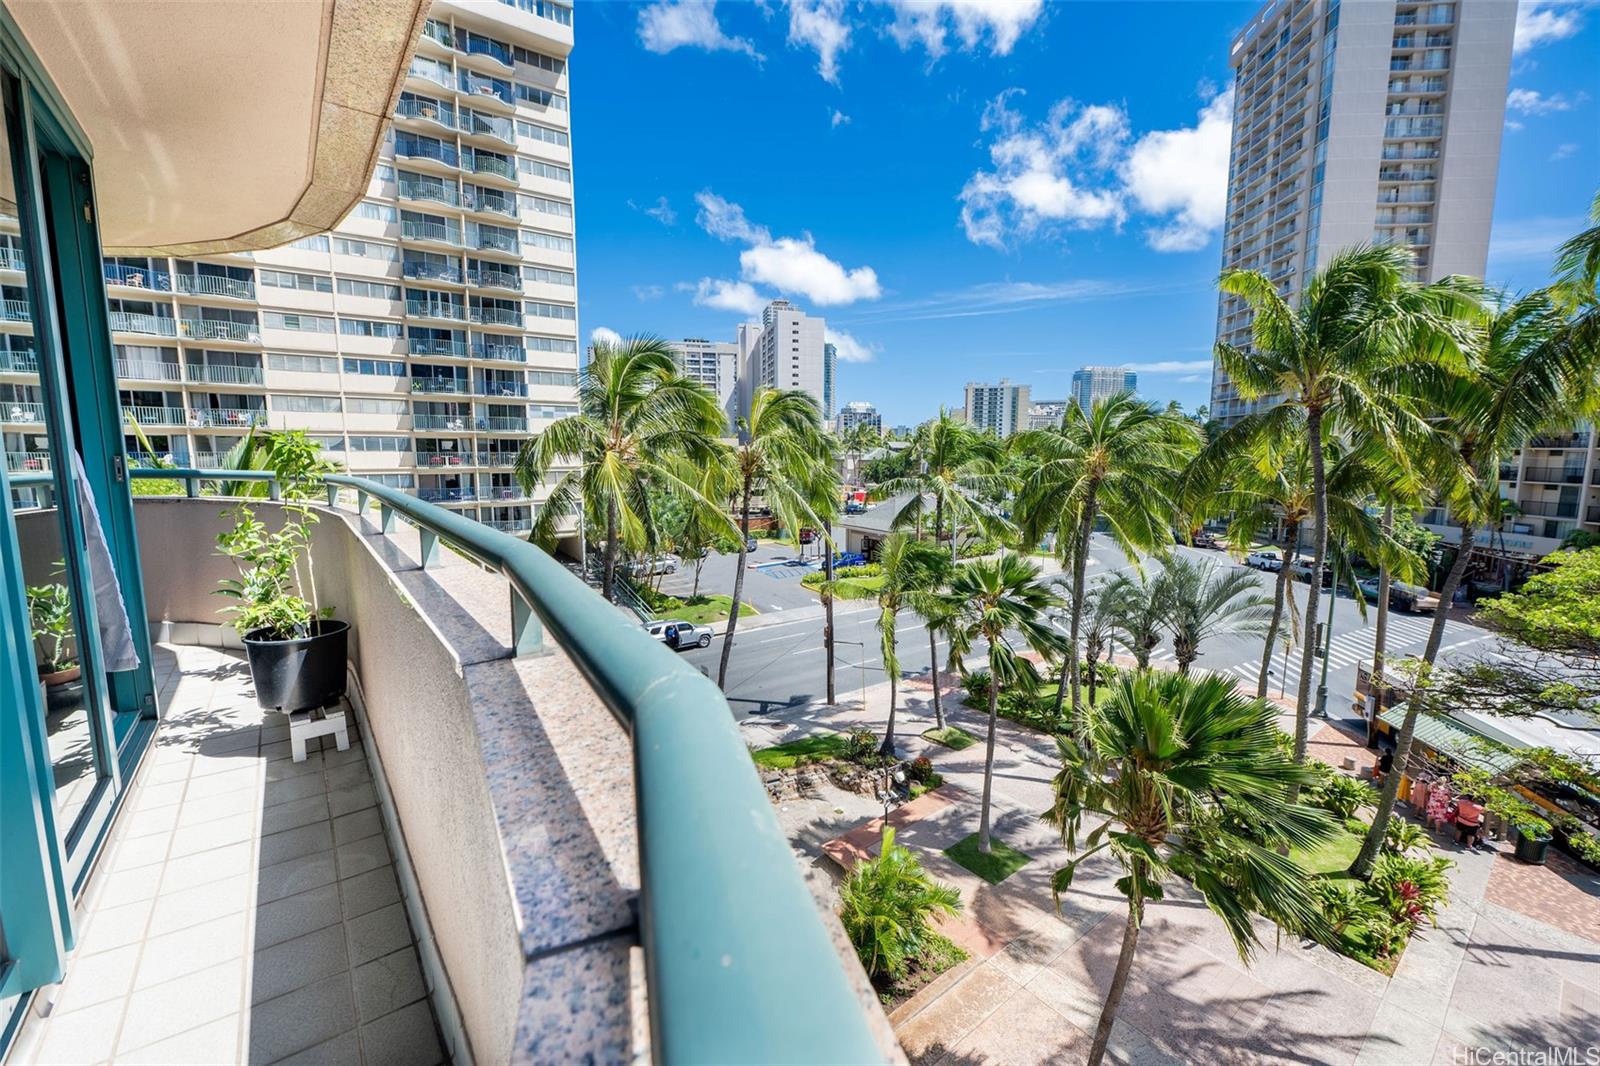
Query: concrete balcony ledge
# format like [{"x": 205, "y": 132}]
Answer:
[{"x": 507, "y": 787}]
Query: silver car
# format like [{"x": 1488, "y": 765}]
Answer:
[{"x": 680, "y": 635}]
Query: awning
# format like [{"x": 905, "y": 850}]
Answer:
[
  {"x": 228, "y": 125},
  {"x": 1453, "y": 740}
]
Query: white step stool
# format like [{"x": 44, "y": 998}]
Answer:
[{"x": 308, "y": 725}]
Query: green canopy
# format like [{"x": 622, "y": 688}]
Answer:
[{"x": 1454, "y": 740}]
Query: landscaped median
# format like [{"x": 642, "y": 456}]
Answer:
[{"x": 702, "y": 609}]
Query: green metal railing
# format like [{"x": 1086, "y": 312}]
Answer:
[{"x": 740, "y": 967}]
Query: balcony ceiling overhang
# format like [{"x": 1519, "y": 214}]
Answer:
[{"x": 230, "y": 125}]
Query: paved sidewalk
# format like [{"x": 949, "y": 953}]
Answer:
[{"x": 1488, "y": 976}]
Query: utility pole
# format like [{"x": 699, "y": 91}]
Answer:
[{"x": 1321, "y": 710}]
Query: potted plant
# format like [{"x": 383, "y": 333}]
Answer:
[
  {"x": 50, "y": 615},
  {"x": 297, "y": 650}
]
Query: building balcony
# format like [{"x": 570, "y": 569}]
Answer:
[
  {"x": 227, "y": 417},
  {"x": 507, "y": 353},
  {"x": 1549, "y": 508},
  {"x": 15, "y": 311},
  {"x": 436, "y": 232},
  {"x": 437, "y": 459},
  {"x": 477, "y": 124},
  {"x": 455, "y": 423},
  {"x": 487, "y": 278},
  {"x": 1554, "y": 475},
  {"x": 499, "y": 424},
  {"x": 212, "y": 285},
  {"x": 460, "y": 386},
  {"x": 137, "y": 277},
  {"x": 435, "y": 309},
  {"x": 148, "y": 416},
  {"x": 1556, "y": 441},
  {"x": 437, "y": 192},
  {"x": 434, "y": 346},
  {"x": 220, "y": 329},
  {"x": 464, "y": 495},
  {"x": 493, "y": 165},
  {"x": 1592, "y": 514},
  {"x": 12, "y": 259},
  {"x": 497, "y": 458},
  {"x": 481, "y": 46},
  {"x": 19, "y": 363},
  {"x": 447, "y": 274},
  {"x": 148, "y": 370},
  {"x": 496, "y": 316},
  {"x": 433, "y": 111},
  {"x": 424, "y": 148},
  {"x": 510, "y": 525},
  {"x": 488, "y": 91},
  {"x": 501, "y": 388},
  {"x": 226, "y": 375}
]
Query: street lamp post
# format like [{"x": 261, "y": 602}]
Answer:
[{"x": 1327, "y": 645}]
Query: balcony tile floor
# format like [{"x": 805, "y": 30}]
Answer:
[{"x": 246, "y": 909}]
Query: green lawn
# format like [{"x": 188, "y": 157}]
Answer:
[
  {"x": 1001, "y": 862},
  {"x": 702, "y": 609},
  {"x": 951, "y": 736},
  {"x": 1332, "y": 857},
  {"x": 802, "y": 751}
]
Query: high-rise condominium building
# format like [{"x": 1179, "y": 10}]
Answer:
[
  {"x": 424, "y": 338},
  {"x": 1359, "y": 122},
  {"x": 858, "y": 413},
  {"x": 1001, "y": 409},
  {"x": 787, "y": 351},
  {"x": 714, "y": 364},
  {"x": 1046, "y": 413},
  {"x": 1091, "y": 384},
  {"x": 830, "y": 379}
]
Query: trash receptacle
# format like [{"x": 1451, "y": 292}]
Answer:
[{"x": 1532, "y": 846}]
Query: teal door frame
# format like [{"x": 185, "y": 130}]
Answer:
[{"x": 41, "y": 874}]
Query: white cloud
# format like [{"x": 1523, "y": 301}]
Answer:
[
  {"x": 997, "y": 23},
  {"x": 1533, "y": 102},
  {"x": 1539, "y": 21},
  {"x": 1081, "y": 168},
  {"x": 1045, "y": 174},
  {"x": 738, "y": 296},
  {"x": 1563, "y": 151},
  {"x": 605, "y": 337},
  {"x": 793, "y": 264},
  {"x": 648, "y": 292},
  {"x": 725, "y": 220},
  {"x": 850, "y": 350},
  {"x": 789, "y": 264},
  {"x": 670, "y": 24},
  {"x": 662, "y": 212},
  {"x": 1168, "y": 366},
  {"x": 820, "y": 25},
  {"x": 1528, "y": 240},
  {"x": 1184, "y": 171},
  {"x": 837, "y": 118}
]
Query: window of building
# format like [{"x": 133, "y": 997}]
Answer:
[
  {"x": 317, "y": 242},
  {"x": 388, "y": 368},
  {"x": 551, "y": 344},
  {"x": 366, "y": 327},
  {"x": 535, "y": 131},
  {"x": 551, "y": 410},
  {"x": 532, "y": 238},
  {"x": 544, "y": 170},
  {"x": 394, "y": 481},
  {"x": 545, "y": 274},
  {"x": 547, "y": 310},
  {"x": 383, "y": 172},
  {"x": 551, "y": 377},
  {"x": 289, "y": 279},
  {"x": 544, "y": 205},
  {"x": 302, "y": 323},
  {"x": 305, "y": 404},
  {"x": 538, "y": 59},
  {"x": 376, "y": 290},
  {"x": 303, "y": 364},
  {"x": 365, "y": 405},
  {"x": 365, "y": 249},
  {"x": 374, "y": 211},
  {"x": 380, "y": 444},
  {"x": 532, "y": 94}
]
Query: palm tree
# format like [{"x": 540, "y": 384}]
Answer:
[
  {"x": 1136, "y": 605},
  {"x": 993, "y": 599},
  {"x": 636, "y": 414},
  {"x": 1525, "y": 376},
  {"x": 1189, "y": 780},
  {"x": 1099, "y": 620},
  {"x": 1203, "y": 602},
  {"x": 1362, "y": 330},
  {"x": 859, "y": 438},
  {"x": 783, "y": 458},
  {"x": 909, "y": 569},
  {"x": 939, "y": 616},
  {"x": 956, "y": 467},
  {"x": 1119, "y": 462}
]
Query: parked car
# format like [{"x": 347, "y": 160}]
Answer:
[
  {"x": 657, "y": 564},
  {"x": 750, "y": 544},
  {"x": 855, "y": 508},
  {"x": 1300, "y": 570},
  {"x": 1206, "y": 539},
  {"x": 679, "y": 635},
  {"x": 849, "y": 559},
  {"x": 807, "y": 535},
  {"x": 1369, "y": 588},
  {"x": 1415, "y": 598},
  {"x": 1271, "y": 562}
]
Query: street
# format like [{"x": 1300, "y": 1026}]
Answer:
[{"x": 779, "y": 663}]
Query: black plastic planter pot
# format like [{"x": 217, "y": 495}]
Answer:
[
  {"x": 299, "y": 675},
  {"x": 1531, "y": 849}
]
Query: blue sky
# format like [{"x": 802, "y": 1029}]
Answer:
[{"x": 973, "y": 191}]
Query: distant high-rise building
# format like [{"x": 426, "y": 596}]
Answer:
[
  {"x": 714, "y": 364},
  {"x": 1091, "y": 384},
  {"x": 830, "y": 379},
  {"x": 1046, "y": 413},
  {"x": 1356, "y": 123},
  {"x": 858, "y": 413},
  {"x": 1001, "y": 408},
  {"x": 786, "y": 352}
]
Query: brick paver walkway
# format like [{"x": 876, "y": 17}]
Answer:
[{"x": 1560, "y": 893}]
